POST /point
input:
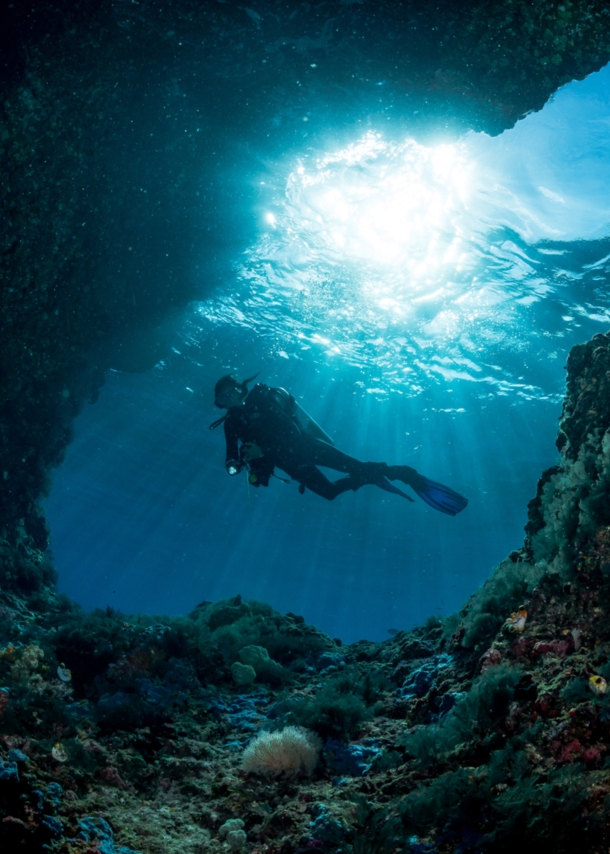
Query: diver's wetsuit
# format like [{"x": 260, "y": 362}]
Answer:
[{"x": 266, "y": 417}]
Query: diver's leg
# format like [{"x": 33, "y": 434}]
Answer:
[
  {"x": 323, "y": 454},
  {"x": 301, "y": 466},
  {"x": 408, "y": 475},
  {"x": 309, "y": 477}
]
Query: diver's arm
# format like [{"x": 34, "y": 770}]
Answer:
[
  {"x": 233, "y": 463},
  {"x": 233, "y": 467}
]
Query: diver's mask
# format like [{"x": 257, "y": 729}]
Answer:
[
  {"x": 228, "y": 397},
  {"x": 230, "y": 390}
]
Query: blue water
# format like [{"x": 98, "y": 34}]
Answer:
[{"x": 420, "y": 302}]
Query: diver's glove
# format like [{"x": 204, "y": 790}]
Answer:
[
  {"x": 251, "y": 451},
  {"x": 233, "y": 467}
]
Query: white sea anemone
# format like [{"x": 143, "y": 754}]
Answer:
[{"x": 290, "y": 751}]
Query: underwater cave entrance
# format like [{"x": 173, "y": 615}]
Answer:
[
  {"x": 133, "y": 141},
  {"x": 457, "y": 371}
]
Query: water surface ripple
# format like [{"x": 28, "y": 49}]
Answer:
[{"x": 419, "y": 265}]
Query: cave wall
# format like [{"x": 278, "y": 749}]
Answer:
[
  {"x": 566, "y": 534},
  {"x": 120, "y": 125}
]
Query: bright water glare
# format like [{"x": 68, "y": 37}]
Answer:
[{"x": 424, "y": 263}]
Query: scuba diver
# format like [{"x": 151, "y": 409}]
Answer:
[{"x": 266, "y": 428}]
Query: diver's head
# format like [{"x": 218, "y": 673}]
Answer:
[{"x": 230, "y": 391}]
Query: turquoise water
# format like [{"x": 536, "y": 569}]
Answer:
[{"x": 420, "y": 302}]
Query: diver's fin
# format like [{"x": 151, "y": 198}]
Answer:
[
  {"x": 435, "y": 494},
  {"x": 439, "y": 496},
  {"x": 384, "y": 483}
]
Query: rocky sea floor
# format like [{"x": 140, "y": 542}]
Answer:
[
  {"x": 122, "y": 734},
  {"x": 127, "y": 735}
]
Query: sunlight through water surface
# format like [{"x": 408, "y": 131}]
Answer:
[{"x": 424, "y": 264}]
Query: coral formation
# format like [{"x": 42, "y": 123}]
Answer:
[
  {"x": 289, "y": 751},
  {"x": 243, "y": 674}
]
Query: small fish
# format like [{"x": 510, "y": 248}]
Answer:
[
  {"x": 516, "y": 621},
  {"x": 393, "y": 632},
  {"x": 59, "y": 753},
  {"x": 598, "y": 684},
  {"x": 64, "y": 673}
]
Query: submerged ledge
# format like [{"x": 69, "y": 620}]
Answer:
[{"x": 128, "y": 734}]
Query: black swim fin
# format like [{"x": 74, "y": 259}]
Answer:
[{"x": 437, "y": 495}]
